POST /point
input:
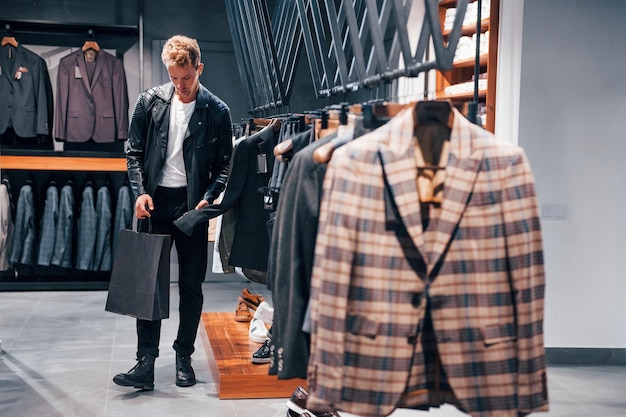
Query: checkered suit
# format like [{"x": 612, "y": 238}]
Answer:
[{"x": 480, "y": 277}]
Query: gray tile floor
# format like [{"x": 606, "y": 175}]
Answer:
[{"x": 60, "y": 350}]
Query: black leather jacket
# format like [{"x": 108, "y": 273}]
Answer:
[{"x": 207, "y": 147}]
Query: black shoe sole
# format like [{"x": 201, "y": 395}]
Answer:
[
  {"x": 123, "y": 382},
  {"x": 185, "y": 383}
]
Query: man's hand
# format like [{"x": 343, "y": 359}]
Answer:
[
  {"x": 143, "y": 206},
  {"x": 201, "y": 204}
]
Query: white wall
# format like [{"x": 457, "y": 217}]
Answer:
[{"x": 571, "y": 111}]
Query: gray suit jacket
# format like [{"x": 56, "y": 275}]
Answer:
[
  {"x": 23, "y": 244},
  {"x": 86, "y": 233},
  {"x": 62, "y": 254},
  {"x": 102, "y": 255},
  {"x": 123, "y": 214},
  {"x": 96, "y": 110},
  {"x": 25, "y": 103},
  {"x": 48, "y": 226},
  {"x": 6, "y": 226}
]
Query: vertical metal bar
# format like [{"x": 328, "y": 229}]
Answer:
[
  {"x": 314, "y": 65},
  {"x": 336, "y": 37}
]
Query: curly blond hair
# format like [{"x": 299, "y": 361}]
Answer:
[{"x": 182, "y": 51}]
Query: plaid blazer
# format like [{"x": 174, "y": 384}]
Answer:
[{"x": 482, "y": 278}]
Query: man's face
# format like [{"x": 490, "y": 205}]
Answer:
[{"x": 185, "y": 80}]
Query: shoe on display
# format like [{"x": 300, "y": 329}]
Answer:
[
  {"x": 263, "y": 354},
  {"x": 297, "y": 406},
  {"x": 251, "y": 300},
  {"x": 185, "y": 377},
  {"x": 242, "y": 313},
  {"x": 265, "y": 313},
  {"x": 257, "y": 331},
  {"x": 140, "y": 376}
]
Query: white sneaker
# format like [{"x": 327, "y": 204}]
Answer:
[
  {"x": 258, "y": 331},
  {"x": 265, "y": 313}
]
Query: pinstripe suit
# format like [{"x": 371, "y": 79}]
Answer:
[
  {"x": 48, "y": 226},
  {"x": 23, "y": 244},
  {"x": 62, "y": 255},
  {"x": 382, "y": 293}
]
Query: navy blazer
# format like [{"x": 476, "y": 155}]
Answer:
[
  {"x": 25, "y": 98},
  {"x": 96, "y": 110}
]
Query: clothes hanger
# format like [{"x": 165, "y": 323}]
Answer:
[
  {"x": 91, "y": 42},
  {"x": 8, "y": 39}
]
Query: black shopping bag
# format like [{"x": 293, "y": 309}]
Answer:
[{"x": 140, "y": 278}]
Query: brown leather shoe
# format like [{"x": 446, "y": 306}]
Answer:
[
  {"x": 242, "y": 313},
  {"x": 251, "y": 300}
]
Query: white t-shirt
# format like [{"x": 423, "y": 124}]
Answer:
[{"x": 174, "y": 169}]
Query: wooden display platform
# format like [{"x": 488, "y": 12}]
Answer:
[{"x": 229, "y": 352}]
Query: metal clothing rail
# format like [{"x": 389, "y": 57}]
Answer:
[{"x": 350, "y": 44}]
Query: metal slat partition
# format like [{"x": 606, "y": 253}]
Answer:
[{"x": 350, "y": 45}]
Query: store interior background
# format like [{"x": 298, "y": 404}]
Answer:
[{"x": 561, "y": 96}]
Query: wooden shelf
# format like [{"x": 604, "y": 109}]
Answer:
[
  {"x": 462, "y": 96},
  {"x": 229, "y": 353},
  {"x": 62, "y": 163}
]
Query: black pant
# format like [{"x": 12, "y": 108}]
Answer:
[{"x": 170, "y": 204}]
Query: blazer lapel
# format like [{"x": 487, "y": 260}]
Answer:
[
  {"x": 400, "y": 173},
  {"x": 98, "y": 69},
  {"x": 461, "y": 172},
  {"x": 80, "y": 63}
]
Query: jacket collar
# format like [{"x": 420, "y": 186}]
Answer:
[
  {"x": 396, "y": 150},
  {"x": 203, "y": 98}
]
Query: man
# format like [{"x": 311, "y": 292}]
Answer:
[{"x": 178, "y": 154}]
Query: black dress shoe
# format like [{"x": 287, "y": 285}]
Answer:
[
  {"x": 263, "y": 354},
  {"x": 185, "y": 377},
  {"x": 140, "y": 376}
]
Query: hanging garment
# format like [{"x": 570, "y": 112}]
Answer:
[
  {"x": 480, "y": 278},
  {"x": 6, "y": 224},
  {"x": 25, "y": 93},
  {"x": 91, "y": 109},
  {"x": 86, "y": 229},
  {"x": 23, "y": 243},
  {"x": 250, "y": 171},
  {"x": 48, "y": 225},
  {"x": 123, "y": 214},
  {"x": 102, "y": 252},
  {"x": 62, "y": 255}
]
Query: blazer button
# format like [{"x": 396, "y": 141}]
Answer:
[{"x": 416, "y": 299}]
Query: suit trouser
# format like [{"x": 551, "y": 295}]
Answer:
[{"x": 170, "y": 204}]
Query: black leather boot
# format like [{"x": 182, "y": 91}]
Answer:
[
  {"x": 140, "y": 376},
  {"x": 185, "y": 377}
]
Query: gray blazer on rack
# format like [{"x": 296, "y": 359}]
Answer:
[
  {"x": 23, "y": 244},
  {"x": 62, "y": 254},
  {"x": 86, "y": 233},
  {"x": 6, "y": 226},
  {"x": 102, "y": 255},
  {"x": 48, "y": 226},
  {"x": 96, "y": 110},
  {"x": 123, "y": 214}
]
